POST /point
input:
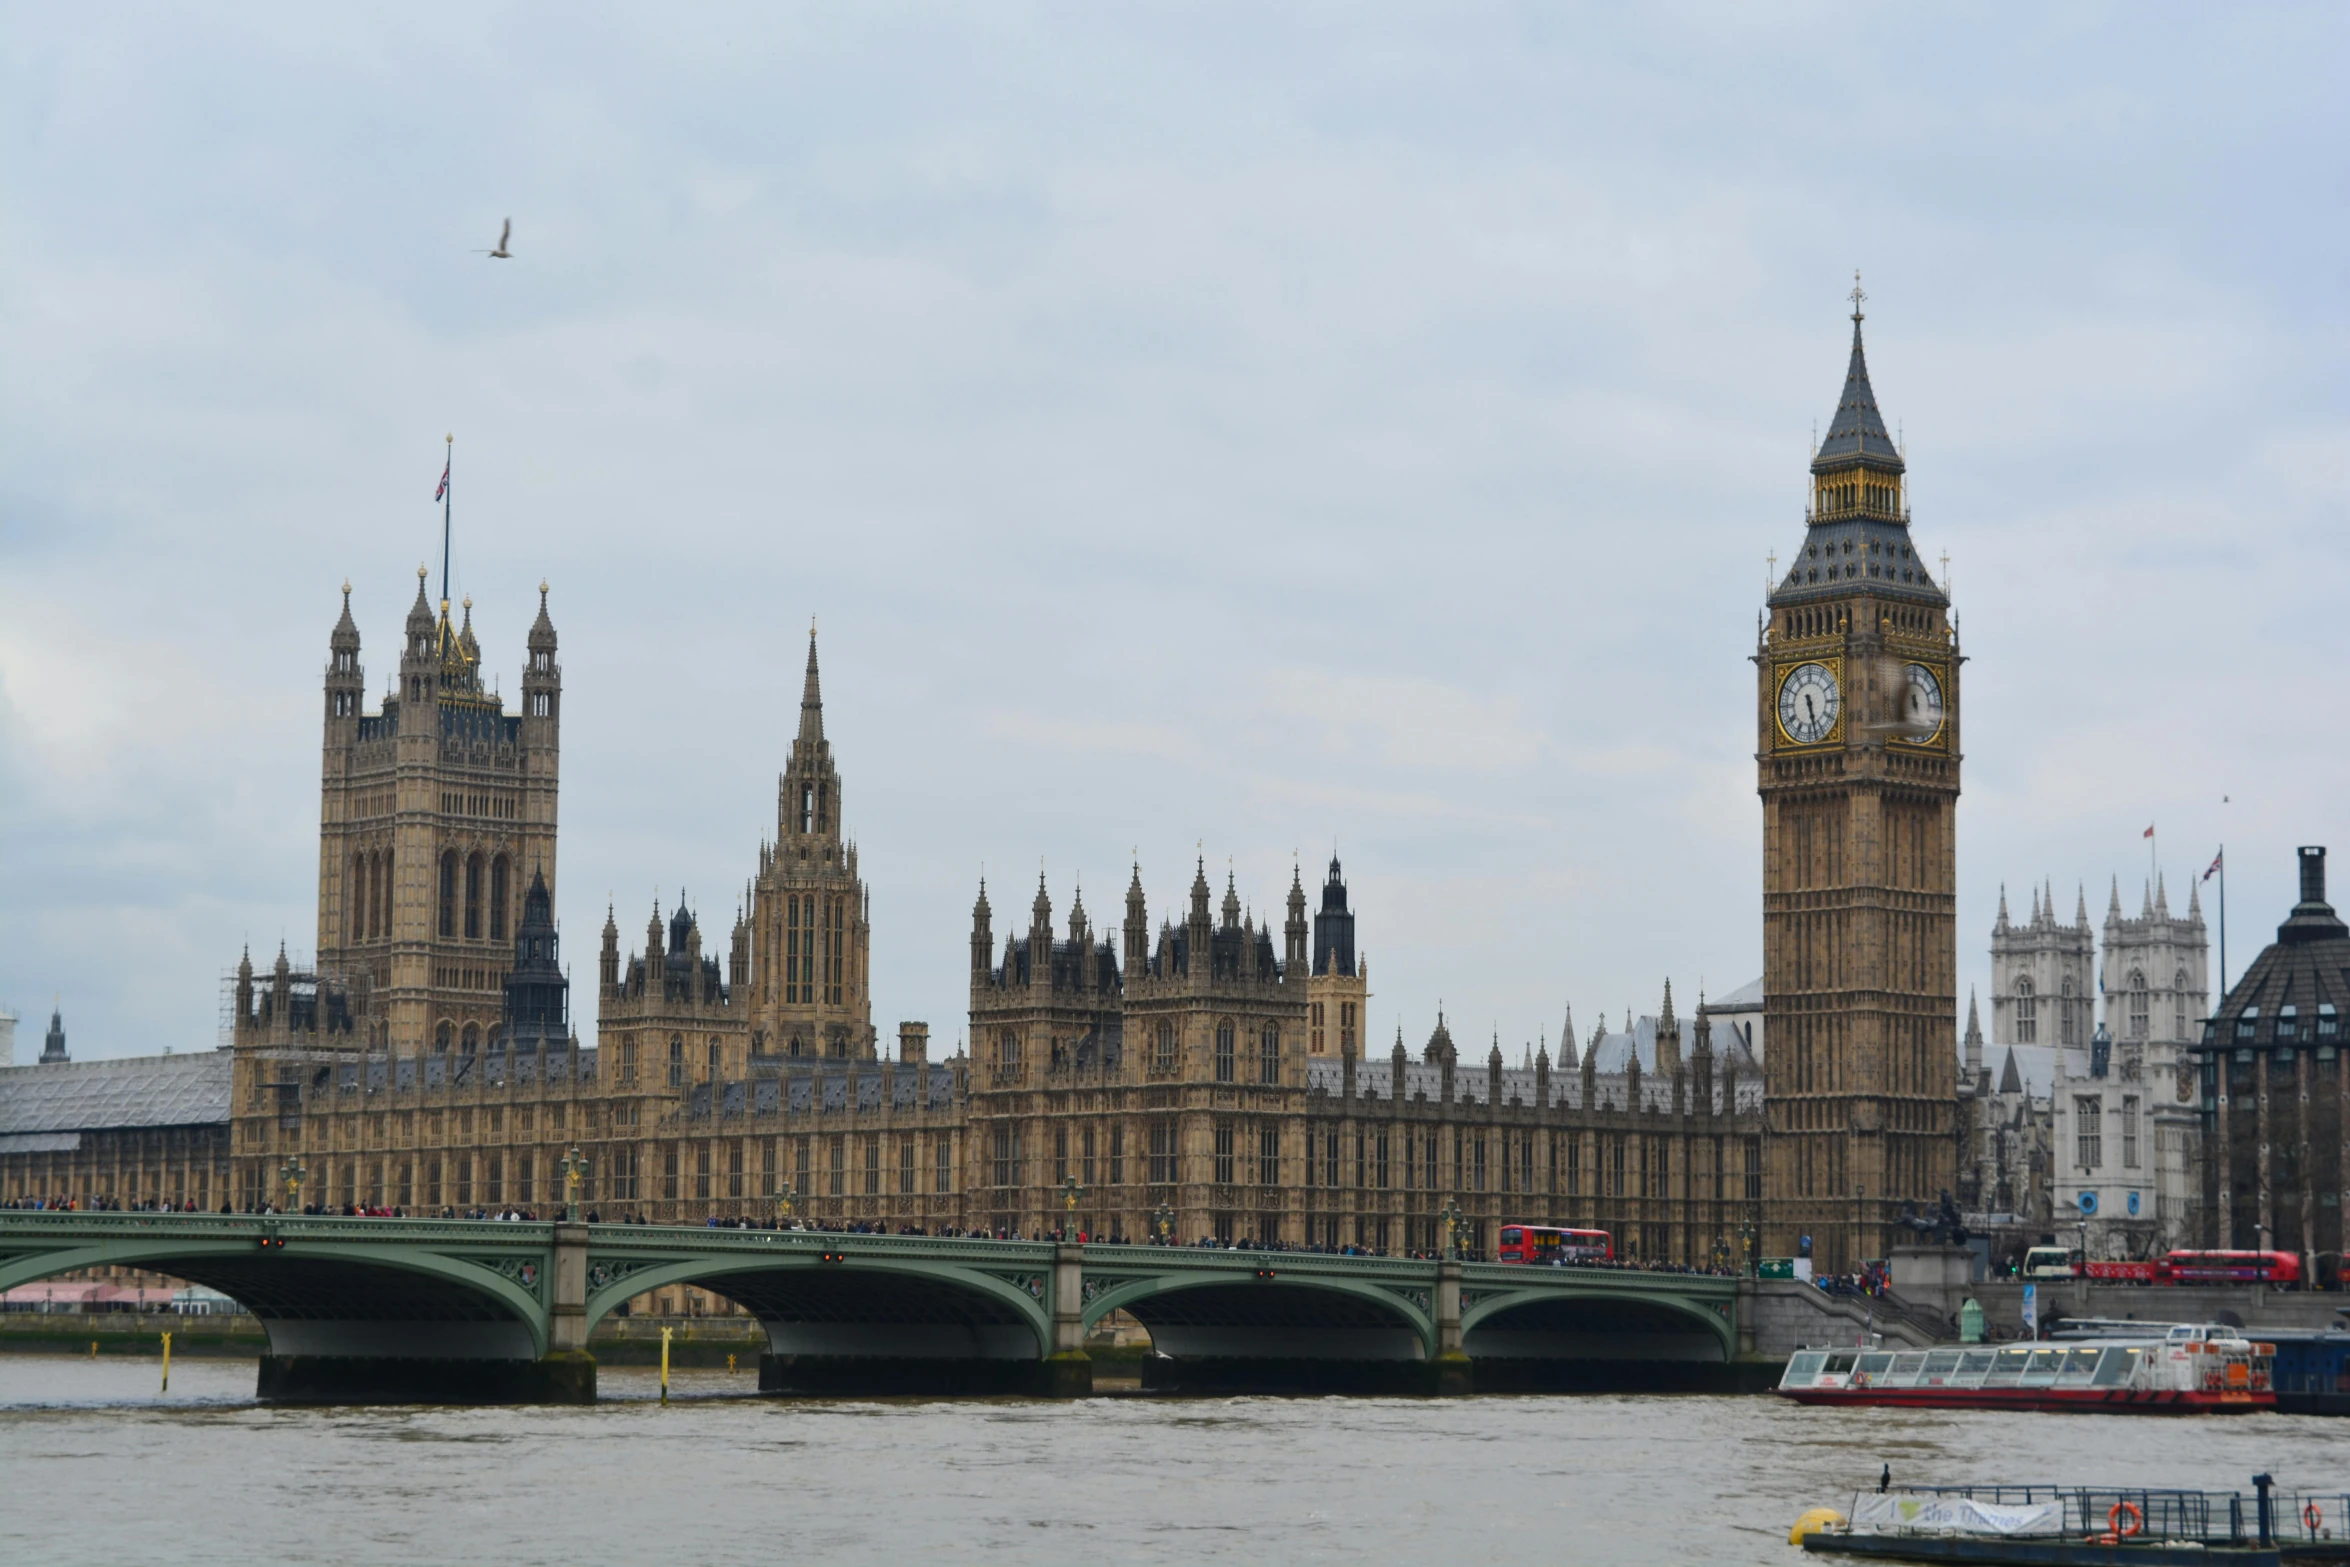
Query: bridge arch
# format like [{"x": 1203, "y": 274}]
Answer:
[
  {"x": 332, "y": 1299},
  {"x": 859, "y": 1307},
  {"x": 1595, "y": 1325},
  {"x": 1288, "y": 1315}
]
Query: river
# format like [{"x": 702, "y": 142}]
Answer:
[{"x": 97, "y": 1466}]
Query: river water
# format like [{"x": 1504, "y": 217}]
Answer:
[{"x": 97, "y": 1466}]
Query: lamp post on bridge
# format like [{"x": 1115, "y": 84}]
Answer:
[
  {"x": 1163, "y": 1224},
  {"x": 575, "y": 1170},
  {"x": 1746, "y": 1243},
  {"x": 1450, "y": 1213},
  {"x": 783, "y": 1201},
  {"x": 293, "y": 1174},
  {"x": 1070, "y": 1192}
]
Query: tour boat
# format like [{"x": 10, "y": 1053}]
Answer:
[{"x": 2179, "y": 1370}]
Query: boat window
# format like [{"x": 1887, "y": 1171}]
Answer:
[
  {"x": 2007, "y": 1367},
  {"x": 2046, "y": 1363},
  {"x": 2114, "y": 1369},
  {"x": 2080, "y": 1362},
  {"x": 1839, "y": 1365},
  {"x": 1908, "y": 1365},
  {"x": 1802, "y": 1368},
  {"x": 1976, "y": 1361},
  {"x": 1942, "y": 1362},
  {"x": 1875, "y": 1365}
]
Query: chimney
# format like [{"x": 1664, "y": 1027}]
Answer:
[
  {"x": 913, "y": 1044},
  {"x": 2313, "y": 873}
]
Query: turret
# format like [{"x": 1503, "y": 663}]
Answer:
[
  {"x": 542, "y": 681},
  {"x": 1668, "y": 1038},
  {"x": 419, "y": 669},
  {"x": 1137, "y": 929},
  {"x": 1293, "y": 950},
  {"x": 53, "y": 1044},
  {"x": 1040, "y": 937},
  {"x": 346, "y": 682},
  {"x": 982, "y": 936}
]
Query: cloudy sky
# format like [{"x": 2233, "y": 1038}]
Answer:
[{"x": 1253, "y": 428}]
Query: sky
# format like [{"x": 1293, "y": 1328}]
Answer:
[{"x": 1195, "y": 431}]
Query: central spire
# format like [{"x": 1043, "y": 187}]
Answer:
[
  {"x": 1857, "y": 433},
  {"x": 811, "y": 695}
]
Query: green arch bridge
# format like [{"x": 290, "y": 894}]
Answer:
[{"x": 491, "y": 1311}]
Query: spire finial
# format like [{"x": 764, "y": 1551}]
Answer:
[{"x": 1857, "y": 297}]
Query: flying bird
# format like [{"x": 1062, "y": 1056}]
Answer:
[{"x": 501, "y": 253}]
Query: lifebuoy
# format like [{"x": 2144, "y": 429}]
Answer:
[
  {"x": 2313, "y": 1515},
  {"x": 2129, "y": 1510}
]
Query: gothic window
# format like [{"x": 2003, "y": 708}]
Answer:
[
  {"x": 2027, "y": 1014},
  {"x": 1166, "y": 1041},
  {"x": 360, "y": 898},
  {"x": 1346, "y": 1027},
  {"x": 944, "y": 1177},
  {"x": 1317, "y": 1022},
  {"x": 807, "y": 807},
  {"x": 2064, "y": 1011},
  {"x": 834, "y": 951},
  {"x": 383, "y": 892},
  {"x": 1060, "y": 1154},
  {"x": 906, "y": 1166},
  {"x": 2138, "y": 1010},
  {"x": 1269, "y": 1055},
  {"x": 2129, "y": 1131},
  {"x": 470, "y": 1042},
  {"x": 2089, "y": 1131},
  {"x": 872, "y": 1164},
  {"x": 1224, "y": 1155},
  {"x": 628, "y": 1058},
  {"x": 799, "y": 1046},
  {"x": 441, "y": 1037},
  {"x": 1117, "y": 1153},
  {"x": 1085, "y": 1158},
  {"x": 1379, "y": 1159},
  {"x": 1224, "y": 1051},
  {"x": 473, "y": 898},
  {"x": 676, "y": 1060},
  {"x": 791, "y": 951},
  {"x": 1330, "y": 1159},
  {"x": 449, "y": 892},
  {"x": 1162, "y": 1154},
  {"x": 498, "y": 898},
  {"x": 1428, "y": 1158},
  {"x": 1269, "y": 1153},
  {"x": 2178, "y": 1005},
  {"x": 1008, "y": 1049},
  {"x": 713, "y": 1060},
  {"x": 836, "y": 1165}
]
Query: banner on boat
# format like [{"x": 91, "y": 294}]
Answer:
[{"x": 1957, "y": 1513}]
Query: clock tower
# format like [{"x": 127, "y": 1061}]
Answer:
[{"x": 1857, "y": 710}]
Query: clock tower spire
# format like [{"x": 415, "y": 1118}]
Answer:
[{"x": 1858, "y": 766}]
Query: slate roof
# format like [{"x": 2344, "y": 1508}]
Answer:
[
  {"x": 1857, "y": 434},
  {"x": 131, "y": 1091}
]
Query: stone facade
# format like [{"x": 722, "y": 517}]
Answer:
[
  {"x": 2104, "y": 1104},
  {"x": 1858, "y": 729}
]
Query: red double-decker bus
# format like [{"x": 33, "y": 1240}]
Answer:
[
  {"x": 2279, "y": 1268},
  {"x": 1546, "y": 1246}
]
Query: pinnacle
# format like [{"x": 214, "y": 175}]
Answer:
[
  {"x": 811, "y": 697},
  {"x": 1857, "y": 432}
]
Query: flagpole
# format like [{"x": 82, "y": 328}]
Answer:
[
  {"x": 448, "y": 485},
  {"x": 2223, "y": 925}
]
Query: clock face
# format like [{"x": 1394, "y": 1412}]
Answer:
[
  {"x": 1808, "y": 702},
  {"x": 1921, "y": 704}
]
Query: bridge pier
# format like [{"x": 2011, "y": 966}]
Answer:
[
  {"x": 1455, "y": 1372},
  {"x": 1068, "y": 1370}
]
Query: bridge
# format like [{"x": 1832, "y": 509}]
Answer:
[{"x": 457, "y": 1310}]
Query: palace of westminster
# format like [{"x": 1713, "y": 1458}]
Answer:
[{"x": 1208, "y": 1075}]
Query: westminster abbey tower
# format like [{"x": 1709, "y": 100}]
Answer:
[{"x": 1857, "y": 712}]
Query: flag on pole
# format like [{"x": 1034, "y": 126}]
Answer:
[
  {"x": 444, "y": 485},
  {"x": 2149, "y": 832},
  {"x": 2215, "y": 859}
]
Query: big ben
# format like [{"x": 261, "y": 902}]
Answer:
[{"x": 1857, "y": 711}]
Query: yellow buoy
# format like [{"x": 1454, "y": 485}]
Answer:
[{"x": 1813, "y": 1522}]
